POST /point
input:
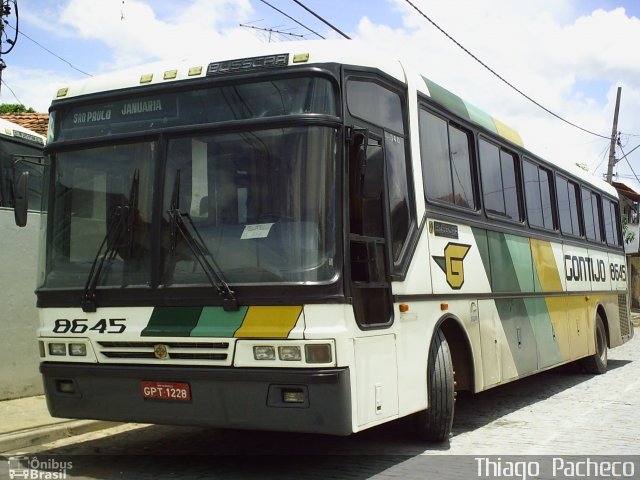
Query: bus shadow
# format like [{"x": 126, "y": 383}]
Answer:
[{"x": 477, "y": 410}]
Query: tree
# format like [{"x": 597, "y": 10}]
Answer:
[{"x": 11, "y": 108}]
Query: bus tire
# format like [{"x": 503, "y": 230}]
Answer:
[
  {"x": 597, "y": 363},
  {"x": 434, "y": 424}
]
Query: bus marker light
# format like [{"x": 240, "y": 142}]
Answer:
[
  {"x": 57, "y": 349},
  {"x": 318, "y": 353},
  {"x": 146, "y": 78},
  {"x": 290, "y": 353},
  {"x": 444, "y": 306},
  {"x": 301, "y": 58},
  {"x": 43, "y": 353},
  {"x": 264, "y": 352},
  {"x": 403, "y": 307},
  {"x": 195, "y": 71},
  {"x": 77, "y": 349},
  {"x": 293, "y": 395},
  {"x": 62, "y": 92},
  {"x": 170, "y": 74}
]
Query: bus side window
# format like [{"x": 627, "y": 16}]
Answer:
[
  {"x": 446, "y": 161},
  {"x": 611, "y": 222},
  {"x": 568, "y": 196},
  {"x": 383, "y": 107},
  {"x": 591, "y": 208},
  {"x": 500, "y": 186},
  {"x": 538, "y": 195}
]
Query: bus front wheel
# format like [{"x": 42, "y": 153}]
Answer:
[
  {"x": 597, "y": 363},
  {"x": 434, "y": 424}
]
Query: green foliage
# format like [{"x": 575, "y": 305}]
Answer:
[
  {"x": 11, "y": 108},
  {"x": 626, "y": 234}
]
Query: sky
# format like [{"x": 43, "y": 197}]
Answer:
[{"x": 568, "y": 55}]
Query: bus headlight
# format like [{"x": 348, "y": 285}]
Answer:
[
  {"x": 78, "y": 349},
  {"x": 58, "y": 349},
  {"x": 264, "y": 352},
  {"x": 290, "y": 353}
]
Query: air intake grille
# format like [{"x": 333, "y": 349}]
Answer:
[
  {"x": 213, "y": 353},
  {"x": 623, "y": 312}
]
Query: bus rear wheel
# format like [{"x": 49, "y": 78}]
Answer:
[
  {"x": 597, "y": 363},
  {"x": 434, "y": 424}
]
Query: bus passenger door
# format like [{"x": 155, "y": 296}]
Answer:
[
  {"x": 375, "y": 356},
  {"x": 370, "y": 283}
]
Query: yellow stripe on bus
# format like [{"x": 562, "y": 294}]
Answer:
[
  {"x": 507, "y": 132},
  {"x": 546, "y": 267},
  {"x": 269, "y": 322}
]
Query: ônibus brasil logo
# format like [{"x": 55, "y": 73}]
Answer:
[{"x": 34, "y": 468}]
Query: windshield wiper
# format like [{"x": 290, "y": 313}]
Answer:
[
  {"x": 198, "y": 247},
  {"x": 121, "y": 219}
]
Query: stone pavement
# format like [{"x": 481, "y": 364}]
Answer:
[{"x": 25, "y": 422}]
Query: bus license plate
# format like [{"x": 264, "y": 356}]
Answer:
[{"x": 179, "y": 392}]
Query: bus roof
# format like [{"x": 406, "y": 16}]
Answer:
[
  {"x": 10, "y": 129},
  {"x": 308, "y": 52}
]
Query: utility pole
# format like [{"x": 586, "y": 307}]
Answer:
[
  {"x": 614, "y": 137},
  {"x": 5, "y": 11}
]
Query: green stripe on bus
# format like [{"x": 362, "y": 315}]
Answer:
[
  {"x": 548, "y": 348},
  {"x": 503, "y": 273},
  {"x": 172, "y": 322},
  {"x": 447, "y": 99},
  {"x": 215, "y": 322},
  {"x": 481, "y": 118},
  {"x": 520, "y": 253}
]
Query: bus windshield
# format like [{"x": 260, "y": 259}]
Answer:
[{"x": 260, "y": 200}]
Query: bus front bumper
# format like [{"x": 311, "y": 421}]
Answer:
[{"x": 237, "y": 398}]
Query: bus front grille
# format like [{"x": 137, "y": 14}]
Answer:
[{"x": 182, "y": 352}]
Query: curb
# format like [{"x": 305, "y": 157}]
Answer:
[{"x": 50, "y": 433}]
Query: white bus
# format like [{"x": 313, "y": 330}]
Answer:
[
  {"x": 20, "y": 153},
  {"x": 309, "y": 239}
]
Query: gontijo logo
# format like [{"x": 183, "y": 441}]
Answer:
[{"x": 452, "y": 263}]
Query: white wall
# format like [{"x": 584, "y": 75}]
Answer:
[{"x": 19, "y": 358}]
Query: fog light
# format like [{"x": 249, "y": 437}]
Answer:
[
  {"x": 293, "y": 396},
  {"x": 78, "y": 349},
  {"x": 66, "y": 386},
  {"x": 57, "y": 349},
  {"x": 289, "y": 353},
  {"x": 320, "y": 353},
  {"x": 264, "y": 352}
]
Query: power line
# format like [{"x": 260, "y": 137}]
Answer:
[
  {"x": 323, "y": 20},
  {"x": 500, "y": 77},
  {"x": 624, "y": 155},
  {"x": 12, "y": 92},
  {"x": 271, "y": 31},
  {"x": 52, "y": 53},
  {"x": 291, "y": 18},
  {"x": 630, "y": 151}
]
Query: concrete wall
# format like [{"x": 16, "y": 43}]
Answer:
[{"x": 19, "y": 358}]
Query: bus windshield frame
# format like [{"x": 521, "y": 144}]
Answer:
[{"x": 255, "y": 178}]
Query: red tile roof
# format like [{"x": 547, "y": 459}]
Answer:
[{"x": 37, "y": 122}]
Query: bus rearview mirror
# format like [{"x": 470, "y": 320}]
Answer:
[{"x": 21, "y": 199}]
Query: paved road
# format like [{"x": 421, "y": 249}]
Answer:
[{"x": 561, "y": 412}]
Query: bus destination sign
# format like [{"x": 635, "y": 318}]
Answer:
[{"x": 129, "y": 110}]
